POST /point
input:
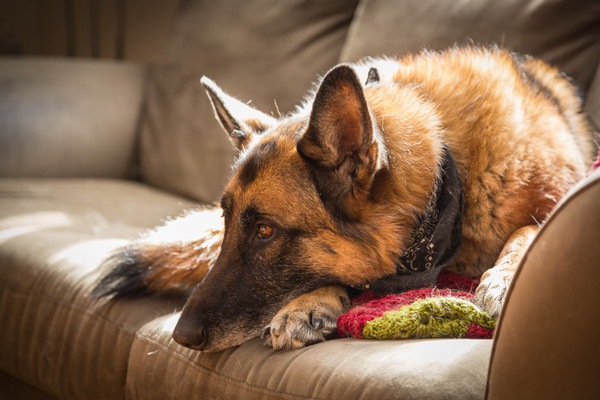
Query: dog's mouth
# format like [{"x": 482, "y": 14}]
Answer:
[
  {"x": 210, "y": 326},
  {"x": 207, "y": 340},
  {"x": 217, "y": 317}
]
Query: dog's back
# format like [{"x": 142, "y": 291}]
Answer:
[{"x": 515, "y": 128}]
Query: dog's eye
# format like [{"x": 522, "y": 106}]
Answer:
[{"x": 264, "y": 232}]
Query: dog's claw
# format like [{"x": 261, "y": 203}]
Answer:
[
  {"x": 317, "y": 323},
  {"x": 266, "y": 332}
]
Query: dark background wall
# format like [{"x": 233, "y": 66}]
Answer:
[{"x": 133, "y": 30}]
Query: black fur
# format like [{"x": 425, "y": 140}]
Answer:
[
  {"x": 373, "y": 76},
  {"x": 126, "y": 276},
  {"x": 252, "y": 164}
]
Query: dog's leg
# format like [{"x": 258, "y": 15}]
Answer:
[
  {"x": 172, "y": 258},
  {"x": 308, "y": 319},
  {"x": 491, "y": 292}
]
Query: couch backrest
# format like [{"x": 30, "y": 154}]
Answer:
[
  {"x": 265, "y": 51},
  {"x": 565, "y": 33},
  {"x": 268, "y": 50},
  {"x": 75, "y": 118}
]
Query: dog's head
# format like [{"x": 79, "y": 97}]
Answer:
[{"x": 297, "y": 211}]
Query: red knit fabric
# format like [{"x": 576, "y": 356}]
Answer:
[
  {"x": 457, "y": 282},
  {"x": 479, "y": 332},
  {"x": 369, "y": 305},
  {"x": 597, "y": 162}
]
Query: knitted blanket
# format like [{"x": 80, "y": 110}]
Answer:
[{"x": 436, "y": 312}]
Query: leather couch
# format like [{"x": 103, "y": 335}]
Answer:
[{"x": 94, "y": 152}]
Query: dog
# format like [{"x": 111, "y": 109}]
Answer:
[{"x": 389, "y": 171}]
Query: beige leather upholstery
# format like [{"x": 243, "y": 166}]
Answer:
[
  {"x": 69, "y": 118},
  {"x": 270, "y": 52},
  {"x": 54, "y": 233},
  {"x": 592, "y": 106},
  {"x": 264, "y": 51},
  {"x": 338, "y": 369},
  {"x": 563, "y": 32},
  {"x": 547, "y": 344}
]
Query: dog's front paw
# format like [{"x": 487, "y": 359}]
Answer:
[
  {"x": 491, "y": 292},
  {"x": 298, "y": 328},
  {"x": 308, "y": 319}
]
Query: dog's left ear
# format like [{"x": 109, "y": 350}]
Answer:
[
  {"x": 340, "y": 122},
  {"x": 339, "y": 139},
  {"x": 238, "y": 119}
]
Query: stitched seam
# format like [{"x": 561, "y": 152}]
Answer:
[{"x": 44, "y": 297}]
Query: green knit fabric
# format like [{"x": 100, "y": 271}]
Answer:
[{"x": 433, "y": 317}]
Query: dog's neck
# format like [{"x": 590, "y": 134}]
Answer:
[
  {"x": 437, "y": 236},
  {"x": 435, "y": 239}
]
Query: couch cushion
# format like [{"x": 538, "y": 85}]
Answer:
[
  {"x": 53, "y": 234},
  {"x": 339, "y": 369},
  {"x": 563, "y": 32},
  {"x": 69, "y": 118},
  {"x": 260, "y": 50}
]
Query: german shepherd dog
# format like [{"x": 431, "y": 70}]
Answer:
[{"x": 391, "y": 170}]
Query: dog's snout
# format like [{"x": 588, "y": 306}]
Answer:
[{"x": 194, "y": 336}]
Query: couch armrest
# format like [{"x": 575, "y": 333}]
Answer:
[
  {"x": 592, "y": 104},
  {"x": 68, "y": 118},
  {"x": 546, "y": 345}
]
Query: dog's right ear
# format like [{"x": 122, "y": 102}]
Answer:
[{"x": 238, "y": 119}]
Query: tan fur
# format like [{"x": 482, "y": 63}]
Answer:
[
  {"x": 515, "y": 153},
  {"x": 490, "y": 294},
  {"x": 308, "y": 319},
  {"x": 179, "y": 268},
  {"x": 179, "y": 253}
]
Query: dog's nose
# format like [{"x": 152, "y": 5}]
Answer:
[{"x": 194, "y": 336}]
